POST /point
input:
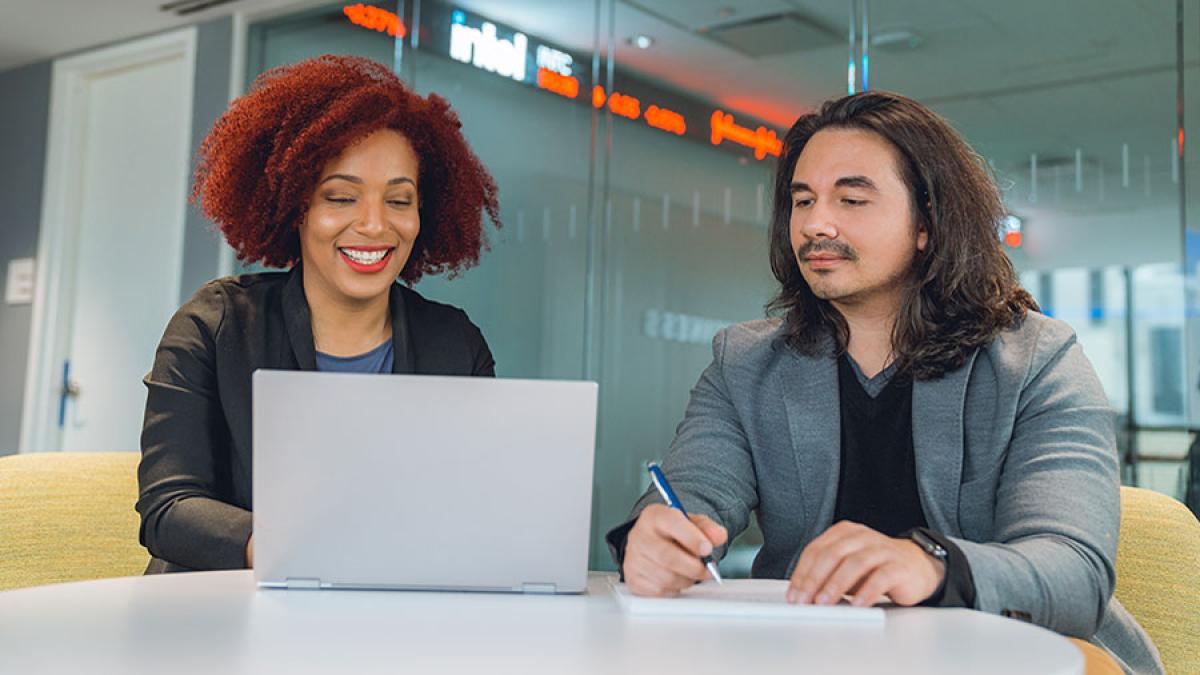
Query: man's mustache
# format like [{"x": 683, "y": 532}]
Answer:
[{"x": 837, "y": 248}]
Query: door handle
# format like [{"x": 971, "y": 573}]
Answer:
[{"x": 69, "y": 389}]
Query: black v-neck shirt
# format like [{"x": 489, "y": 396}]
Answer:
[{"x": 877, "y": 483}]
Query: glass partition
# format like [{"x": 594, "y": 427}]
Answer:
[
  {"x": 1077, "y": 112},
  {"x": 634, "y": 145},
  {"x": 1187, "y": 34}
]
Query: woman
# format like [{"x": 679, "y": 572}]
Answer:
[{"x": 331, "y": 167}]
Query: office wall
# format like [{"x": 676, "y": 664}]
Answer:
[
  {"x": 24, "y": 120},
  {"x": 214, "y": 55},
  {"x": 24, "y": 117}
]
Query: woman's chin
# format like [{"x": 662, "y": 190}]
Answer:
[
  {"x": 358, "y": 288},
  {"x": 363, "y": 290}
]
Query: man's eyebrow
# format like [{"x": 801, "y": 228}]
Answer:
[
  {"x": 844, "y": 181},
  {"x": 856, "y": 181}
]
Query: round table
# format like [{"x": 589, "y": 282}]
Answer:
[{"x": 219, "y": 622}]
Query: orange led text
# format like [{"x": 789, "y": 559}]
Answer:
[
  {"x": 375, "y": 18},
  {"x": 764, "y": 141},
  {"x": 620, "y": 104},
  {"x": 563, "y": 85},
  {"x": 667, "y": 120}
]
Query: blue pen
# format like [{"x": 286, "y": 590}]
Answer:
[{"x": 668, "y": 495}]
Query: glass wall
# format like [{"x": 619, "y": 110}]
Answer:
[
  {"x": 1187, "y": 39},
  {"x": 634, "y": 144}
]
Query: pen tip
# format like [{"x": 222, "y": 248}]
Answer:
[{"x": 712, "y": 569}]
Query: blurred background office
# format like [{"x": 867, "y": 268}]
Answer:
[{"x": 633, "y": 142}]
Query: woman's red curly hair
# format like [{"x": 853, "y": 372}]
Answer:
[{"x": 261, "y": 161}]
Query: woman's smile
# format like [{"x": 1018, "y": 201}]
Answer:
[{"x": 367, "y": 259}]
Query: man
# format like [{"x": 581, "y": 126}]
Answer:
[{"x": 910, "y": 425}]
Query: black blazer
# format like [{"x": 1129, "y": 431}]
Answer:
[{"x": 194, "y": 477}]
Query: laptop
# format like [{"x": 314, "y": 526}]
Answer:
[{"x": 421, "y": 482}]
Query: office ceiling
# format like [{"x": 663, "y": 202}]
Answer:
[
  {"x": 1017, "y": 77},
  {"x": 35, "y": 30},
  {"x": 1069, "y": 74}
]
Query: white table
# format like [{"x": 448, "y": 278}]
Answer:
[{"x": 218, "y": 622}]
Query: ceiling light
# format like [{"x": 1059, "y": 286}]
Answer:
[
  {"x": 185, "y": 7},
  {"x": 641, "y": 41},
  {"x": 896, "y": 38}
]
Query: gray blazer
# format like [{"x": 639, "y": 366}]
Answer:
[{"x": 1016, "y": 463}]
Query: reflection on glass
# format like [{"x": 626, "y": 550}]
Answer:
[
  {"x": 1098, "y": 192},
  {"x": 634, "y": 143}
]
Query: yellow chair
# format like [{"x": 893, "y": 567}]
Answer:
[
  {"x": 67, "y": 516},
  {"x": 1158, "y": 574}
]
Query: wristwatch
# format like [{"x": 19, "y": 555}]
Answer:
[{"x": 928, "y": 545}]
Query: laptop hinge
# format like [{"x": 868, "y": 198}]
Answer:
[
  {"x": 303, "y": 583},
  {"x": 539, "y": 588}
]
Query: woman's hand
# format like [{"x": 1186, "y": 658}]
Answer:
[
  {"x": 853, "y": 558},
  {"x": 250, "y": 552}
]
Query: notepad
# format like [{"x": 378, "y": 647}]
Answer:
[{"x": 744, "y": 599}]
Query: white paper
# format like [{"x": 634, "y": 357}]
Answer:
[
  {"x": 18, "y": 288},
  {"x": 743, "y": 598}
]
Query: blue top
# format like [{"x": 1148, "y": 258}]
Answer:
[{"x": 378, "y": 360}]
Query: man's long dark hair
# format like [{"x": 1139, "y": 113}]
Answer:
[{"x": 962, "y": 290}]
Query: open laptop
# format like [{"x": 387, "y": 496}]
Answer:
[{"x": 422, "y": 482}]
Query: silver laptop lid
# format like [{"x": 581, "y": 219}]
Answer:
[{"x": 409, "y": 481}]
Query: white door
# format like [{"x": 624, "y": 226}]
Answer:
[{"x": 110, "y": 254}]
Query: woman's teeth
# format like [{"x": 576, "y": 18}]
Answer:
[{"x": 365, "y": 257}]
